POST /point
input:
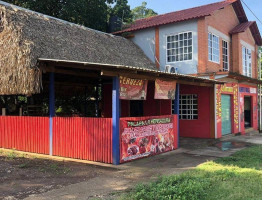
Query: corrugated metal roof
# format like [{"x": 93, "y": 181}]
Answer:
[{"x": 112, "y": 66}]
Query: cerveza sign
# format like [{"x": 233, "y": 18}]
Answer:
[
  {"x": 226, "y": 89},
  {"x": 247, "y": 90}
]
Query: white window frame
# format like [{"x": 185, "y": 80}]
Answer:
[
  {"x": 212, "y": 48},
  {"x": 177, "y": 34},
  {"x": 227, "y": 49},
  {"x": 190, "y": 115},
  {"x": 247, "y": 69}
]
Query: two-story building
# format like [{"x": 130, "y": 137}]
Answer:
[{"x": 215, "y": 41}]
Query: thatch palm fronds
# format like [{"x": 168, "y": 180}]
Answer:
[{"x": 26, "y": 36}]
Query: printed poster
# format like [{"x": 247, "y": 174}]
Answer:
[
  {"x": 165, "y": 89},
  {"x": 132, "y": 89},
  {"x": 145, "y": 137}
]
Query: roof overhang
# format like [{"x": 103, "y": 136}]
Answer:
[
  {"x": 236, "y": 76},
  {"x": 100, "y": 69}
]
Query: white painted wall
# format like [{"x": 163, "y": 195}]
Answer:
[{"x": 145, "y": 39}]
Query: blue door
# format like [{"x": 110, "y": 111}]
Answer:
[{"x": 226, "y": 114}]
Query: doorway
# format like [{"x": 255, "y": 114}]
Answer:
[
  {"x": 247, "y": 111},
  {"x": 226, "y": 114},
  {"x": 136, "y": 108}
]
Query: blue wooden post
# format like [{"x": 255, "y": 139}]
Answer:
[
  {"x": 176, "y": 110},
  {"x": 51, "y": 110},
  {"x": 116, "y": 118}
]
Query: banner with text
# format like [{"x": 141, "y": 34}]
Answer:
[
  {"x": 147, "y": 136},
  {"x": 165, "y": 89},
  {"x": 132, "y": 89}
]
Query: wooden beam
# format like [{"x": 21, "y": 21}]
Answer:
[
  {"x": 131, "y": 75},
  {"x": 195, "y": 83},
  {"x": 70, "y": 72}
]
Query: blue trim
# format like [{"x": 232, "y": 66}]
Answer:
[
  {"x": 176, "y": 112},
  {"x": 116, "y": 118},
  {"x": 51, "y": 110}
]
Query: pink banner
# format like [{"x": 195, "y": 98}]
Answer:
[
  {"x": 142, "y": 137},
  {"x": 132, "y": 89},
  {"x": 165, "y": 89}
]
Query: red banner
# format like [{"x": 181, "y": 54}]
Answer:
[
  {"x": 132, "y": 89},
  {"x": 147, "y": 136},
  {"x": 165, "y": 89}
]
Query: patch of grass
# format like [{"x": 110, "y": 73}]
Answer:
[
  {"x": 238, "y": 177},
  {"x": 11, "y": 155},
  {"x": 25, "y": 165},
  {"x": 55, "y": 169}
]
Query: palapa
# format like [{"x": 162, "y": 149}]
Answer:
[{"x": 26, "y": 36}]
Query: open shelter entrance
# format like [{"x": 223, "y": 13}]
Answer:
[{"x": 79, "y": 113}]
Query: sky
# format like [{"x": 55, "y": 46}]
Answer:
[{"x": 165, "y": 6}]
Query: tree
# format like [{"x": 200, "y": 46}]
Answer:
[
  {"x": 90, "y": 13},
  {"x": 122, "y": 10},
  {"x": 119, "y": 16},
  {"x": 142, "y": 11}
]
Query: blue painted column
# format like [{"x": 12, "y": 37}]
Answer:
[
  {"x": 176, "y": 110},
  {"x": 116, "y": 121},
  {"x": 51, "y": 110}
]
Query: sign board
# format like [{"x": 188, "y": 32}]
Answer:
[
  {"x": 146, "y": 136},
  {"x": 132, "y": 89},
  {"x": 165, "y": 89}
]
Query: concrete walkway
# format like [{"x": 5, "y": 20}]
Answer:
[{"x": 191, "y": 153}]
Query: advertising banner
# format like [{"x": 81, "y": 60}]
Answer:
[
  {"x": 165, "y": 89},
  {"x": 147, "y": 136},
  {"x": 132, "y": 89}
]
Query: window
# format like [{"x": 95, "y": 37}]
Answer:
[
  {"x": 213, "y": 48},
  {"x": 246, "y": 61},
  {"x": 188, "y": 106},
  {"x": 179, "y": 47},
  {"x": 225, "y": 56}
]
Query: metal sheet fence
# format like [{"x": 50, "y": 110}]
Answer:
[
  {"x": 83, "y": 138},
  {"x": 29, "y": 134}
]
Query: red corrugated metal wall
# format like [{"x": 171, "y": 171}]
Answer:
[
  {"x": 25, "y": 133},
  {"x": 83, "y": 138}
]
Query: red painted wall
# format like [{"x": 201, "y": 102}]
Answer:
[
  {"x": 199, "y": 128},
  {"x": 29, "y": 134},
  {"x": 83, "y": 138},
  {"x": 152, "y": 107}
]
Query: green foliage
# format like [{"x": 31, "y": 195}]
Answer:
[
  {"x": 142, "y": 11},
  {"x": 238, "y": 177},
  {"x": 122, "y": 10},
  {"x": 94, "y": 14},
  {"x": 55, "y": 169},
  {"x": 182, "y": 187},
  {"x": 90, "y": 13},
  {"x": 11, "y": 155}
]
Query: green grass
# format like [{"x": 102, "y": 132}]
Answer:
[{"x": 238, "y": 177}]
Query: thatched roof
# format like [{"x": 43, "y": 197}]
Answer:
[{"x": 26, "y": 36}]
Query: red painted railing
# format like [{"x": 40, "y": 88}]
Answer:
[
  {"x": 29, "y": 134},
  {"x": 83, "y": 138}
]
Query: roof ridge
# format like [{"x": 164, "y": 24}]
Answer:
[
  {"x": 186, "y": 9},
  {"x": 12, "y": 6},
  {"x": 176, "y": 16}
]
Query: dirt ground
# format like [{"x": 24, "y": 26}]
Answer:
[
  {"x": 31, "y": 178},
  {"x": 21, "y": 176}
]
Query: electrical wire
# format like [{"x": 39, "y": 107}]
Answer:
[{"x": 251, "y": 11}]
